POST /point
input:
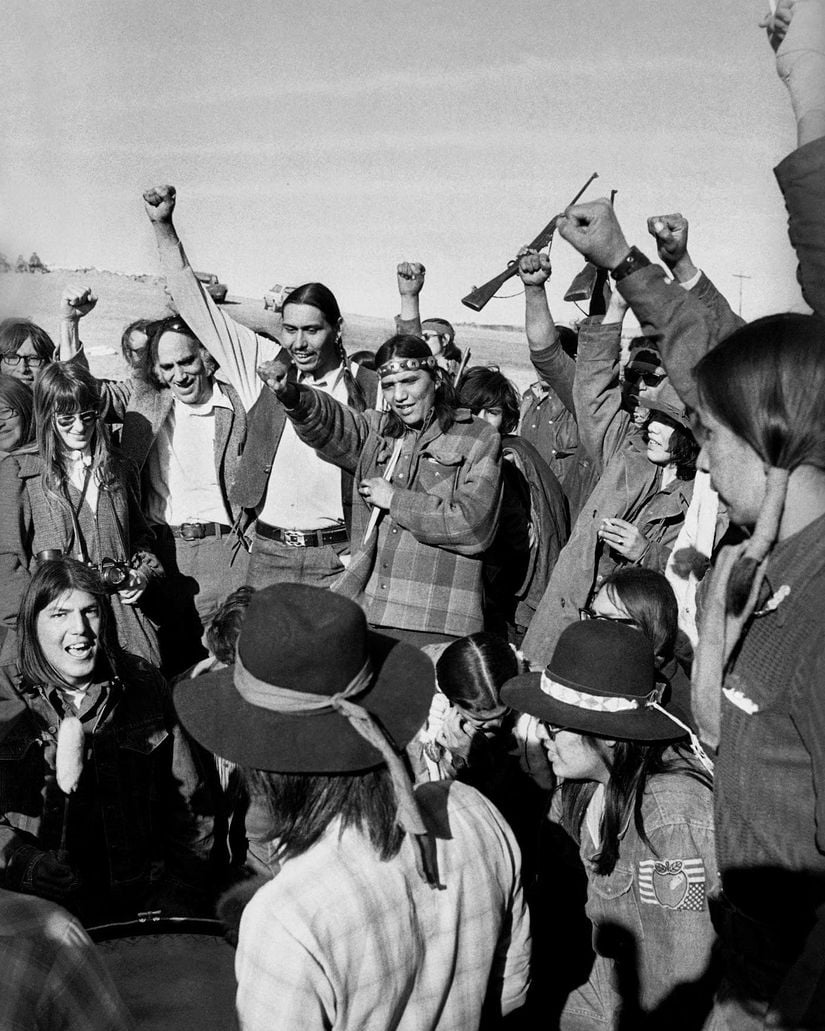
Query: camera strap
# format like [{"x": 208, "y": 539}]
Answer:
[{"x": 82, "y": 553}]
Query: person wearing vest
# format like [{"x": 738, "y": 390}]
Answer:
[
  {"x": 185, "y": 433},
  {"x": 302, "y": 504}
]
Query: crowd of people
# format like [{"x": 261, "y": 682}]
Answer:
[{"x": 460, "y": 708}]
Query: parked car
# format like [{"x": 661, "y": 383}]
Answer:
[
  {"x": 217, "y": 291},
  {"x": 274, "y": 298}
]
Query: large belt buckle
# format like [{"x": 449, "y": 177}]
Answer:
[
  {"x": 192, "y": 531},
  {"x": 294, "y": 538}
]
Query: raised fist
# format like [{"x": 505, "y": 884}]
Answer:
[
  {"x": 594, "y": 231},
  {"x": 671, "y": 235},
  {"x": 275, "y": 373},
  {"x": 533, "y": 266},
  {"x": 160, "y": 203},
  {"x": 410, "y": 278},
  {"x": 76, "y": 302}
]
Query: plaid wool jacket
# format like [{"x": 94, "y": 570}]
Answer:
[{"x": 421, "y": 570}]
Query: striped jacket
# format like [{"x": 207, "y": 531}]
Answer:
[{"x": 422, "y": 569}]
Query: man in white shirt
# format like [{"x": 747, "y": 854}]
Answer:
[{"x": 301, "y": 502}]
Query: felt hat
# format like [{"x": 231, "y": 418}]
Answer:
[
  {"x": 300, "y": 651},
  {"x": 668, "y": 402},
  {"x": 601, "y": 680}
]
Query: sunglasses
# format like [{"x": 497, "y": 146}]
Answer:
[
  {"x": 650, "y": 379},
  {"x": 65, "y": 422},
  {"x": 31, "y": 360},
  {"x": 588, "y": 613}
]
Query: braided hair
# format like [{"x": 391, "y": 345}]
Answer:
[{"x": 321, "y": 297}]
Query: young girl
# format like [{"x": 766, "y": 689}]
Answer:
[
  {"x": 639, "y": 805},
  {"x": 75, "y": 497}
]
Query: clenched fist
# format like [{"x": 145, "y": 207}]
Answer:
[{"x": 160, "y": 203}]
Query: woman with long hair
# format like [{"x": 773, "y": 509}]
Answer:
[
  {"x": 98, "y": 784},
  {"x": 76, "y": 496},
  {"x": 16, "y": 414},
  {"x": 638, "y": 803},
  {"x": 760, "y": 664},
  {"x": 426, "y": 497}
]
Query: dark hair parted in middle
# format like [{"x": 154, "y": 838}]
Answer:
[
  {"x": 404, "y": 345},
  {"x": 472, "y": 671},
  {"x": 52, "y": 579},
  {"x": 321, "y": 297}
]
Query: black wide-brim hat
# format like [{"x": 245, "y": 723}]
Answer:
[
  {"x": 309, "y": 640},
  {"x": 596, "y": 663}
]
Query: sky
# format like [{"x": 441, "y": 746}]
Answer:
[{"x": 329, "y": 141}]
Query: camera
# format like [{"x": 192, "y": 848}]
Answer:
[{"x": 115, "y": 575}]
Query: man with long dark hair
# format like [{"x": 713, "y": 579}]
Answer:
[
  {"x": 300, "y": 503},
  {"x": 392, "y": 908}
]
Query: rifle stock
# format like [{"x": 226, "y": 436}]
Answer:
[{"x": 480, "y": 295}]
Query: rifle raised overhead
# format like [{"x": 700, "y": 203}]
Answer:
[{"x": 480, "y": 295}]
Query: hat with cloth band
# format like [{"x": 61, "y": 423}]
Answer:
[
  {"x": 313, "y": 691},
  {"x": 601, "y": 680}
]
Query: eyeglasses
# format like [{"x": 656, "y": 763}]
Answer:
[
  {"x": 31, "y": 360},
  {"x": 551, "y": 730},
  {"x": 7, "y": 413},
  {"x": 588, "y": 613},
  {"x": 650, "y": 379},
  {"x": 65, "y": 422},
  {"x": 431, "y": 334}
]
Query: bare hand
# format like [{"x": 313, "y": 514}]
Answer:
[
  {"x": 671, "y": 235},
  {"x": 138, "y": 582},
  {"x": 533, "y": 266},
  {"x": 376, "y": 491},
  {"x": 53, "y": 879},
  {"x": 76, "y": 302},
  {"x": 594, "y": 231},
  {"x": 624, "y": 538},
  {"x": 160, "y": 203},
  {"x": 777, "y": 24},
  {"x": 275, "y": 373},
  {"x": 410, "y": 276}
]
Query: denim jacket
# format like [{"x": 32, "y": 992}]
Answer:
[
  {"x": 652, "y": 931},
  {"x": 141, "y": 792}
]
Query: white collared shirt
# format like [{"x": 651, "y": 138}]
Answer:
[
  {"x": 183, "y": 481},
  {"x": 304, "y": 491}
]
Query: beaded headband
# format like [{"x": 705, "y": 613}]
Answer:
[{"x": 407, "y": 365}]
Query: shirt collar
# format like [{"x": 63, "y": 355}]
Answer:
[
  {"x": 216, "y": 400},
  {"x": 330, "y": 381}
]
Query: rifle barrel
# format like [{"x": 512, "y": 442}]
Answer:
[{"x": 480, "y": 295}]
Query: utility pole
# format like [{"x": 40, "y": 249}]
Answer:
[{"x": 740, "y": 276}]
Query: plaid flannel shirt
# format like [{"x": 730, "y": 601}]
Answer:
[
  {"x": 422, "y": 569},
  {"x": 342, "y": 939},
  {"x": 53, "y": 977}
]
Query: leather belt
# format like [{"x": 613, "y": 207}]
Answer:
[
  {"x": 197, "y": 531},
  {"x": 303, "y": 538}
]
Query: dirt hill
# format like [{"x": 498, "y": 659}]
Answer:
[{"x": 123, "y": 298}]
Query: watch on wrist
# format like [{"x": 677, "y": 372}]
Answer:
[{"x": 631, "y": 262}]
